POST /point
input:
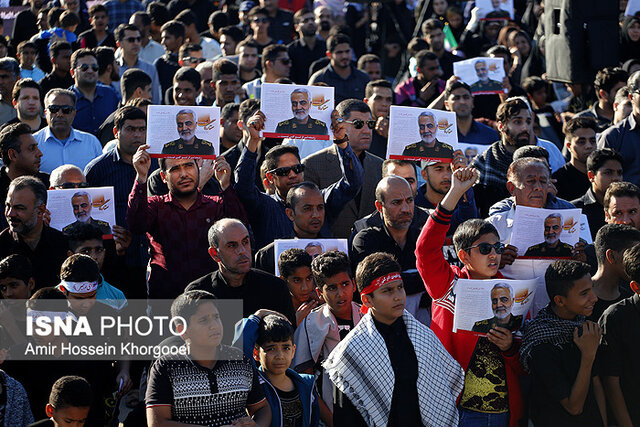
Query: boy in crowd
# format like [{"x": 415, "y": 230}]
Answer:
[
  {"x": 391, "y": 369},
  {"x": 619, "y": 347},
  {"x": 559, "y": 349},
  {"x": 219, "y": 373},
  {"x": 491, "y": 388},
  {"x": 16, "y": 286},
  {"x": 69, "y": 403},
  {"x": 27, "y": 52},
  {"x": 295, "y": 269},
  {"x": 324, "y": 327}
]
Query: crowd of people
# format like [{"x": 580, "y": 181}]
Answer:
[{"x": 364, "y": 338}]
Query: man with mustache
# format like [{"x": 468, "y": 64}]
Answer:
[
  {"x": 484, "y": 83},
  {"x": 501, "y": 303},
  {"x": 81, "y": 203},
  {"x": 302, "y": 122},
  {"x": 429, "y": 147},
  {"x": 552, "y": 247},
  {"x": 188, "y": 143}
]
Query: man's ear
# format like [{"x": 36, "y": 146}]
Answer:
[
  {"x": 423, "y": 173},
  {"x": 289, "y": 213},
  {"x": 12, "y": 153},
  {"x": 500, "y": 126},
  {"x": 181, "y": 62},
  {"x": 511, "y": 187},
  {"x": 635, "y": 287},
  {"x": 270, "y": 178},
  {"x": 611, "y": 256},
  {"x": 366, "y": 101},
  {"x": 378, "y": 206},
  {"x": 115, "y": 132},
  {"x": 49, "y": 410},
  {"x": 240, "y": 125},
  {"x": 213, "y": 253},
  {"x": 591, "y": 176},
  {"x": 256, "y": 356},
  {"x": 367, "y": 300},
  {"x": 72, "y": 71},
  {"x": 163, "y": 176},
  {"x": 31, "y": 284},
  {"x": 328, "y": 54},
  {"x": 14, "y": 103},
  {"x": 463, "y": 256},
  {"x": 559, "y": 300},
  {"x": 418, "y": 70},
  {"x": 567, "y": 143},
  {"x": 117, "y": 44}
]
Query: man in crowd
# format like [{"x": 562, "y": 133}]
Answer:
[
  {"x": 307, "y": 48},
  {"x": 224, "y": 81},
  {"x": 433, "y": 33},
  {"x": 167, "y": 64},
  {"x": 426, "y": 86},
  {"x": 622, "y": 204},
  {"x": 9, "y": 75},
  {"x": 379, "y": 97},
  {"x": 26, "y": 101},
  {"x": 128, "y": 39},
  {"x": 276, "y": 64},
  {"x": 150, "y": 50},
  {"x": 458, "y": 99},
  {"x": 607, "y": 82},
  {"x": 60, "y": 75}
]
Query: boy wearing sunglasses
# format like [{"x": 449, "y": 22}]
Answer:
[{"x": 491, "y": 393}]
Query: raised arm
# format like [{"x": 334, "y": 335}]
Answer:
[{"x": 140, "y": 216}]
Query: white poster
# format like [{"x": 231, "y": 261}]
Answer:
[
  {"x": 313, "y": 247},
  {"x": 545, "y": 233},
  {"x": 295, "y": 111},
  {"x": 484, "y": 304},
  {"x": 179, "y": 131},
  {"x": 493, "y": 10},
  {"x": 90, "y": 205},
  {"x": 483, "y": 75},
  {"x": 421, "y": 134}
]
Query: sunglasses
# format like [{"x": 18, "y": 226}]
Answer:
[
  {"x": 133, "y": 39},
  {"x": 66, "y": 109},
  {"x": 68, "y": 185},
  {"x": 260, "y": 20},
  {"x": 485, "y": 248},
  {"x": 359, "y": 124},
  {"x": 193, "y": 60},
  {"x": 299, "y": 168},
  {"x": 85, "y": 67}
]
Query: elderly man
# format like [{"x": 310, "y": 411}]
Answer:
[
  {"x": 188, "y": 143},
  {"x": 484, "y": 83},
  {"x": 552, "y": 247},
  {"x": 302, "y": 122},
  {"x": 81, "y": 203},
  {"x": 501, "y": 304},
  {"x": 429, "y": 147}
]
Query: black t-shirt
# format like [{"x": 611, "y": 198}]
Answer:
[
  {"x": 344, "y": 327},
  {"x": 291, "y": 407},
  {"x": 602, "y": 304},
  {"x": 571, "y": 183}
]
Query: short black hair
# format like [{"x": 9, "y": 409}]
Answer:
[
  {"x": 79, "y": 233},
  {"x": 328, "y": 264},
  {"x": 373, "y": 266},
  {"x": 248, "y": 108},
  {"x": 470, "y": 231},
  {"x": 448, "y": 90},
  {"x": 631, "y": 262},
  {"x": 97, "y": 8},
  {"x": 158, "y": 13},
  {"x": 416, "y": 45},
  {"x": 534, "y": 151},
  {"x": 144, "y": 16},
  {"x": 292, "y": 259},
  {"x": 233, "y": 32},
  {"x": 128, "y": 113},
  {"x": 57, "y": 47},
  {"x": 218, "y": 19},
  {"x": 257, "y": 10},
  {"x": 105, "y": 56},
  {"x": 274, "y": 154},
  {"x": 187, "y": 303},
  {"x": 162, "y": 162},
  {"x": 533, "y": 84},
  {"x": 274, "y": 328},
  {"x": 620, "y": 189},
  {"x": 599, "y": 157},
  {"x": 71, "y": 391},
  {"x": 368, "y": 90},
  {"x": 80, "y": 268},
  {"x": 133, "y": 79},
  {"x": 36, "y": 186},
  {"x": 617, "y": 237},
  {"x": 26, "y": 44},
  {"x": 188, "y": 74},
  {"x": 511, "y": 108},
  {"x": 24, "y": 83},
  {"x": 334, "y": 40},
  {"x": 119, "y": 33},
  {"x": 607, "y": 78},
  {"x": 293, "y": 196},
  {"x": 16, "y": 266},
  {"x": 186, "y": 17},
  {"x": 398, "y": 162},
  {"x": 347, "y": 106},
  {"x": 10, "y": 139},
  {"x": 228, "y": 110},
  {"x": 222, "y": 66},
  {"x": 424, "y": 56},
  {"x": 562, "y": 274},
  {"x": 271, "y": 52},
  {"x": 174, "y": 28},
  {"x": 572, "y": 125},
  {"x": 430, "y": 25},
  {"x": 367, "y": 58}
]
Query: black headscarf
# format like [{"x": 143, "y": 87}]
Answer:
[{"x": 628, "y": 48}]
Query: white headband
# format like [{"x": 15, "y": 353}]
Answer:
[{"x": 79, "y": 287}]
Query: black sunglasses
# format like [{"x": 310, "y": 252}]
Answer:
[
  {"x": 133, "y": 39},
  {"x": 359, "y": 124},
  {"x": 260, "y": 20},
  {"x": 85, "y": 67},
  {"x": 299, "y": 168},
  {"x": 66, "y": 109},
  {"x": 485, "y": 248},
  {"x": 68, "y": 185}
]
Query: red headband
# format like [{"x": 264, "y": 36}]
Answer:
[{"x": 377, "y": 284}]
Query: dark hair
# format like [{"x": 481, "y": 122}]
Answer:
[
  {"x": 221, "y": 67},
  {"x": 162, "y": 162},
  {"x": 274, "y": 328},
  {"x": 119, "y": 33},
  {"x": 562, "y": 274},
  {"x": 367, "y": 58},
  {"x": 608, "y": 78},
  {"x": 533, "y": 84},
  {"x": 80, "y": 232},
  {"x": 79, "y": 268},
  {"x": 186, "y": 49},
  {"x": 347, "y": 106},
  {"x": 292, "y": 259},
  {"x": 423, "y": 56},
  {"x": 188, "y": 74},
  {"x": 571, "y": 126},
  {"x": 397, "y": 162},
  {"x": 174, "y": 28},
  {"x": 368, "y": 90},
  {"x": 257, "y": 10},
  {"x": 373, "y": 266},
  {"x": 128, "y": 113},
  {"x": 26, "y": 45},
  {"x": 139, "y": 102},
  {"x": 218, "y": 19},
  {"x": 622, "y": 95},
  {"x": 617, "y": 237},
  {"x": 68, "y": 19},
  {"x": 16, "y": 266},
  {"x": 448, "y": 90},
  {"x": 499, "y": 50},
  {"x": 599, "y": 157},
  {"x": 187, "y": 303},
  {"x": 11, "y": 65},
  {"x": 32, "y": 183},
  {"x": 510, "y": 108},
  {"x": 430, "y": 25},
  {"x": 300, "y": 13},
  {"x": 158, "y": 13},
  {"x": 97, "y": 8},
  {"x": 274, "y": 154},
  {"x": 417, "y": 45},
  {"x": 232, "y": 31},
  {"x": 105, "y": 56},
  {"x": 248, "y": 108},
  {"x": 293, "y": 196},
  {"x": 271, "y": 52},
  {"x": 328, "y": 264},
  {"x": 631, "y": 262},
  {"x": 133, "y": 79},
  {"x": 144, "y": 16},
  {"x": 533, "y": 151},
  {"x": 57, "y": 47},
  {"x": 186, "y": 17},
  {"x": 22, "y": 83},
  {"x": 71, "y": 392},
  {"x": 247, "y": 43},
  {"x": 620, "y": 189},
  {"x": 470, "y": 231},
  {"x": 337, "y": 39},
  {"x": 10, "y": 139},
  {"x": 53, "y": 16},
  {"x": 228, "y": 110}
]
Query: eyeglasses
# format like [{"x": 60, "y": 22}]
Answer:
[
  {"x": 359, "y": 124},
  {"x": 299, "y": 168},
  {"x": 66, "y": 109},
  {"x": 85, "y": 67},
  {"x": 193, "y": 60},
  {"x": 485, "y": 248},
  {"x": 285, "y": 61},
  {"x": 260, "y": 20},
  {"x": 133, "y": 39},
  {"x": 68, "y": 185}
]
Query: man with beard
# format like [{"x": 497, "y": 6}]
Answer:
[
  {"x": 429, "y": 147},
  {"x": 307, "y": 48},
  {"x": 484, "y": 83},
  {"x": 82, "y": 203},
  {"x": 552, "y": 247},
  {"x": 302, "y": 122},
  {"x": 501, "y": 303},
  {"x": 188, "y": 143},
  {"x": 108, "y": 69}
]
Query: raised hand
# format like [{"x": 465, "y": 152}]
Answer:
[
  {"x": 142, "y": 163},
  {"x": 222, "y": 170}
]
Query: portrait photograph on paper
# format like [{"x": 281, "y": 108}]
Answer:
[
  {"x": 313, "y": 247},
  {"x": 483, "y": 75},
  {"x": 471, "y": 151},
  {"x": 494, "y": 10},
  {"x": 72, "y": 206}
]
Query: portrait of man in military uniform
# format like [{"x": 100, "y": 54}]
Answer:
[
  {"x": 81, "y": 203},
  {"x": 301, "y": 122},
  {"x": 484, "y": 84},
  {"x": 501, "y": 303},
  {"x": 429, "y": 146},
  {"x": 188, "y": 143},
  {"x": 552, "y": 247}
]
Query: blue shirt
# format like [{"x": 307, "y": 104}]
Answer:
[
  {"x": 91, "y": 114},
  {"x": 479, "y": 134},
  {"x": 119, "y": 12},
  {"x": 624, "y": 137},
  {"x": 351, "y": 87},
  {"x": 78, "y": 150},
  {"x": 156, "y": 95}
]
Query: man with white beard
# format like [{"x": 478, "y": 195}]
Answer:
[
  {"x": 429, "y": 146},
  {"x": 501, "y": 303},
  {"x": 302, "y": 122},
  {"x": 81, "y": 203},
  {"x": 552, "y": 247},
  {"x": 188, "y": 143}
]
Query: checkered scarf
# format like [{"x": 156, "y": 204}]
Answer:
[
  {"x": 493, "y": 164},
  {"x": 361, "y": 369},
  {"x": 546, "y": 328}
]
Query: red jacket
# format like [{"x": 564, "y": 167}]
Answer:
[{"x": 438, "y": 277}]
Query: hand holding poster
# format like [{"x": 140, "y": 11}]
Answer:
[
  {"x": 545, "y": 233},
  {"x": 294, "y": 111},
  {"x": 435, "y": 131},
  {"x": 179, "y": 131},
  {"x": 483, "y": 75},
  {"x": 481, "y": 305},
  {"x": 313, "y": 247},
  {"x": 71, "y": 206},
  {"x": 493, "y": 10}
]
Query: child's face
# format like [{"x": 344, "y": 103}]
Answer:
[
  {"x": 539, "y": 97},
  {"x": 301, "y": 285},
  {"x": 387, "y": 303},
  {"x": 580, "y": 298},
  {"x": 15, "y": 289},
  {"x": 70, "y": 416},
  {"x": 27, "y": 58},
  {"x": 275, "y": 357},
  {"x": 81, "y": 304},
  {"x": 94, "y": 248},
  {"x": 338, "y": 294},
  {"x": 481, "y": 266},
  {"x": 205, "y": 327}
]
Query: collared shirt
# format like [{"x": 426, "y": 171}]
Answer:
[
  {"x": 351, "y": 87},
  {"x": 91, "y": 114},
  {"x": 479, "y": 134},
  {"x": 178, "y": 237},
  {"x": 556, "y": 159},
  {"x": 79, "y": 149},
  {"x": 120, "y": 11},
  {"x": 156, "y": 95},
  {"x": 36, "y": 74},
  {"x": 152, "y": 51},
  {"x": 254, "y": 87},
  {"x": 624, "y": 137},
  {"x": 601, "y": 121},
  {"x": 302, "y": 57}
]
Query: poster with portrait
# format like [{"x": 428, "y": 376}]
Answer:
[
  {"x": 545, "y": 233},
  {"x": 494, "y": 10},
  {"x": 483, "y": 75},
  {"x": 313, "y": 247},
  {"x": 179, "y": 131},
  {"x": 471, "y": 151},
  {"x": 421, "y": 134},
  {"x": 296, "y": 111},
  {"x": 71, "y": 206},
  {"x": 481, "y": 305},
  {"x": 633, "y": 7}
]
